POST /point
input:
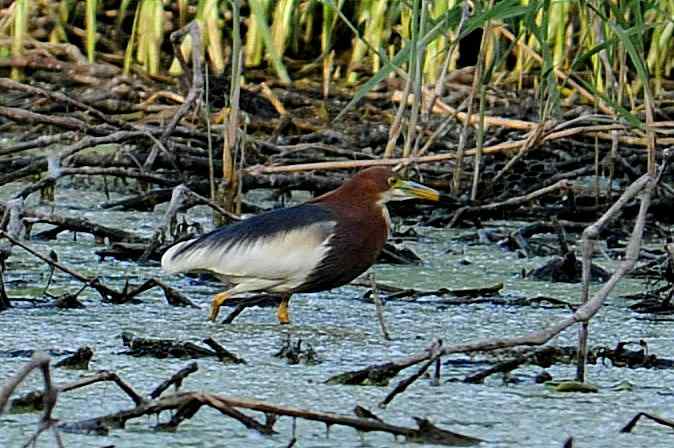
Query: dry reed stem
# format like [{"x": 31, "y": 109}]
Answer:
[
  {"x": 273, "y": 99},
  {"x": 441, "y": 107},
  {"x": 501, "y": 147}
]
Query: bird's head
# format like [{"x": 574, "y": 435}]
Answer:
[{"x": 387, "y": 186}]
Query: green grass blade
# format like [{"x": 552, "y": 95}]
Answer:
[
  {"x": 19, "y": 34},
  {"x": 90, "y": 19},
  {"x": 260, "y": 17}
]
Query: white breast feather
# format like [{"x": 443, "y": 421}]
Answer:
[
  {"x": 387, "y": 219},
  {"x": 280, "y": 262}
]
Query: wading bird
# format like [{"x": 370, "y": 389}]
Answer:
[{"x": 315, "y": 246}]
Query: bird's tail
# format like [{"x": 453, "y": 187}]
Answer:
[{"x": 174, "y": 260}]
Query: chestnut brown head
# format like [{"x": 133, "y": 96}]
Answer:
[{"x": 383, "y": 184}]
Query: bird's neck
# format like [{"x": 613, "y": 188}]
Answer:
[
  {"x": 353, "y": 202},
  {"x": 387, "y": 219},
  {"x": 348, "y": 197}
]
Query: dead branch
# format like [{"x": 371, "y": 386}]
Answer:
[
  {"x": 561, "y": 185},
  {"x": 105, "y": 292},
  {"x": 404, "y": 384},
  {"x": 9, "y": 84},
  {"x": 46, "y": 422},
  {"x": 175, "y": 380},
  {"x": 222, "y": 353},
  {"x": 169, "y": 348},
  {"x": 196, "y": 90},
  {"x": 39, "y": 164},
  {"x": 24, "y": 116},
  {"x": 411, "y": 294},
  {"x": 11, "y": 222},
  {"x": 39, "y": 142},
  {"x": 78, "y": 360},
  {"x": 656, "y": 418},
  {"x": 80, "y": 225},
  {"x": 494, "y": 149},
  {"x": 173, "y": 296},
  {"x": 506, "y": 366},
  {"x": 644, "y": 187},
  {"x": 423, "y": 434},
  {"x": 92, "y": 171},
  {"x": 35, "y": 400},
  {"x": 188, "y": 403}
]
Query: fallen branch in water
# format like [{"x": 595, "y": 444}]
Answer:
[
  {"x": 644, "y": 187},
  {"x": 187, "y": 404},
  {"x": 173, "y": 296},
  {"x": 411, "y": 294},
  {"x": 404, "y": 384},
  {"x": 104, "y": 291},
  {"x": 79, "y": 225},
  {"x": 656, "y": 418},
  {"x": 176, "y": 380},
  {"x": 169, "y": 348},
  {"x": 46, "y": 422},
  {"x": 35, "y": 400}
]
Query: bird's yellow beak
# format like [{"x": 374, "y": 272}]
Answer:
[{"x": 406, "y": 189}]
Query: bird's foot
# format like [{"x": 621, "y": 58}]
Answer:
[
  {"x": 213, "y": 314},
  {"x": 282, "y": 311},
  {"x": 216, "y": 303}
]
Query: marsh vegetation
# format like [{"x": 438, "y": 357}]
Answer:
[{"x": 545, "y": 271}]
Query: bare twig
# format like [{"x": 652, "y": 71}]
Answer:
[
  {"x": 46, "y": 422},
  {"x": 644, "y": 187},
  {"x": 511, "y": 202},
  {"x": 176, "y": 380},
  {"x": 404, "y": 384},
  {"x": 656, "y": 418},
  {"x": 380, "y": 308},
  {"x": 104, "y": 291},
  {"x": 196, "y": 89},
  {"x": 494, "y": 149}
]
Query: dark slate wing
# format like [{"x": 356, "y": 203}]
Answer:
[{"x": 260, "y": 227}]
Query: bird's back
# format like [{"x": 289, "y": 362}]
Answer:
[{"x": 281, "y": 245}]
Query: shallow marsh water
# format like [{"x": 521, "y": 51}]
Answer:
[{"x": 344, "y": 332}]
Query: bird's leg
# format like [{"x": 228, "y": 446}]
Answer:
[
  {"x": 282, "y": 311},
  {"x": 216, "y": 303}
]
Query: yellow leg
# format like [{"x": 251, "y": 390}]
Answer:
[
  {"x": 216, "y": 303},
  {"x": 282, "y": 311}
]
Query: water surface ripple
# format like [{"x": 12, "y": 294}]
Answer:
[{"x": 344, "y": 332}]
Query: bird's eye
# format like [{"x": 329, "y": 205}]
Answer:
[{"x": 391, "y": 181}]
